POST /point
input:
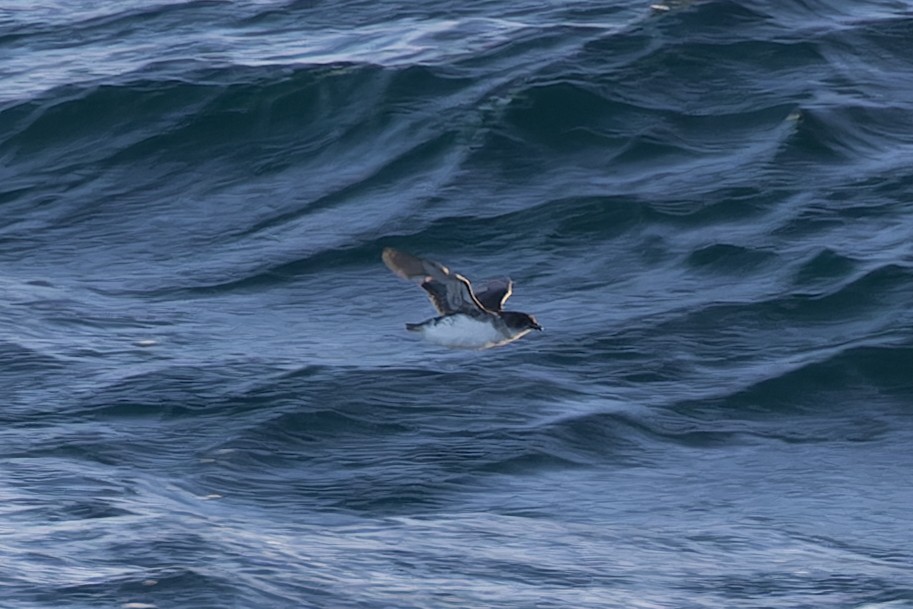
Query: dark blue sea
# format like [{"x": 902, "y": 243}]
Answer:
[{"x": 208, "y": 398}]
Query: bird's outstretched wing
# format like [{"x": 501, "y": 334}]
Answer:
[
  {"x": 449, "y": 292},
  {"x": 494, "y": 293}
]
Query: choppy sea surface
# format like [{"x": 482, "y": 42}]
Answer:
[{"x": 207, "y": 395}]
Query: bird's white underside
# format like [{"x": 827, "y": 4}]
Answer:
[{"x": 464, "y": 331}]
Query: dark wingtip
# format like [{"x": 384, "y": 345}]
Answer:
[{"x": 389, "y": 256}]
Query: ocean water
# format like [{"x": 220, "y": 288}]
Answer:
[{"x": 207, "y": 395}]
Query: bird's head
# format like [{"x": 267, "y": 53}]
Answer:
[{"x": 520, "y": 321}]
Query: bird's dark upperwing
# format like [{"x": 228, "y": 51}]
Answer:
[
  {"x": 494, "y": 293},
  {"x": 449, "y": 292}
]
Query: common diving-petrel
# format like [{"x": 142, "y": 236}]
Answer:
[{"x": 468, "y": 318}]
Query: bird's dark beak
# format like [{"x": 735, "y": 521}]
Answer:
[{"x": 538, "y": 327}]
